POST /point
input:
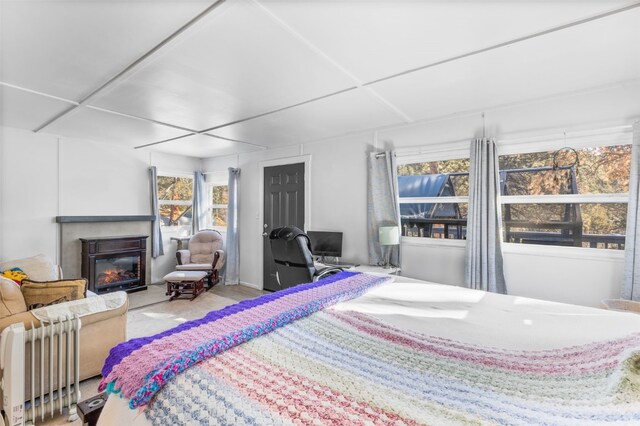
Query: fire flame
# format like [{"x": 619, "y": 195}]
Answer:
[{"x": 114, "y": 275}]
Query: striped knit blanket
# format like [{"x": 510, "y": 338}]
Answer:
[
  {"x": 139, "y": 368},
  {"x": 347, "y": 368}
]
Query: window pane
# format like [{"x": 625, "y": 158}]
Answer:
[
  {"x": 175, "y": 215},
  {"x": 175, "y": 188},
  {"x": 598, "y": 170},
  {"x": 450, "y": 177},
  {"x": 445, "y": 220},
  {"x": 580, "y": 225},
  {"x": 220, "y": 194},
  {"x": 219, "y": 217}
]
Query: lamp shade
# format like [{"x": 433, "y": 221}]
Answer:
[{"x": 389, "y": 235}]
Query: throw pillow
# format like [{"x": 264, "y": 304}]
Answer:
[
  {"x": 38, "y": 294},
  {"x": 15, "y": 274},
  {"x": 11, "y": 300}
]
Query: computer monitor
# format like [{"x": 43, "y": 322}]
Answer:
[{"x": 325, "y": 243}]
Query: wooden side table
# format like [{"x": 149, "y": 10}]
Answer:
[
  {"x": 89, "y": 410},
  {"x": 189, "y": 283}
]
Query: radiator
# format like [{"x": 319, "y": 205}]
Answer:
[{"x": 48, "y": 358}]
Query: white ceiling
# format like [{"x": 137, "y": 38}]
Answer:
[{"x": 203, "y": 79}]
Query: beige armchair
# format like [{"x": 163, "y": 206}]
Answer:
[
  {"x": 205, "y": 253},
  {"x": 101, "y": 330}
]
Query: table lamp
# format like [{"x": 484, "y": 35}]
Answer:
[{"x": 388, "y": 236}]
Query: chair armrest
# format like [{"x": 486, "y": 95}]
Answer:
[
  {"x": 218, "y": 259},
  {"x": 29, "y": 320},
  {"x": 183, "y": 256},
  {"x": 325, "y": 272}
]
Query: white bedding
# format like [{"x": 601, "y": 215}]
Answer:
[{"x": 469, "y": 316}]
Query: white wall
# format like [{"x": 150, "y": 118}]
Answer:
[
  {"x": 44, "y": 176},
  {"x": 572, "y": 275},
  {"x": 338, "y": 195},
  {"x": 336, "y": 204},
  {"x": 29, "y": 194}
]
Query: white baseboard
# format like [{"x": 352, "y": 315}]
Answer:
[{"x": 252, "y": 285}]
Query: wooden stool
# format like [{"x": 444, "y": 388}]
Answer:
[{"x": 190, "y": 283}]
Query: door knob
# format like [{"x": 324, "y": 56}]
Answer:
[{"x": 264, "y": 234}]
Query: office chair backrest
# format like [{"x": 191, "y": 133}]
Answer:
[{"x": 291, "y": 250}]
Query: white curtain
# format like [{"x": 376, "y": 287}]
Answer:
[
  {"x": 382, "y": 204},
  {"x": 199, "y": 207},
  {"x": 483, "y": 265},
  {"x": 232, "y": 264},
  {"x": 631, "y": 284},
  {"x": 157, "y": 248}
]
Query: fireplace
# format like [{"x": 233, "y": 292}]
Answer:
[{"x": 114, "y": 263}]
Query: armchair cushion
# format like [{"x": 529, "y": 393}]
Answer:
[
  {"x": 203, "y": 245},
  {"x": 37, "y": 294},
  {"x": 11, "y": 300},
  {"x": 39, "y": 267},
  {"x": 202, "y": 249},
  {"x": 194, "y": 267}
]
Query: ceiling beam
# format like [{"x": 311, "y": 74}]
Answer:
[
  {"x": 368, "y": 85},
  {"x": 262, "y": 147},
  {"x": 134, "y": 64},
  {"x": 403, "y": 116},
  {"x": 358, "y": 84},
  {"x": 509, "y": 42}
]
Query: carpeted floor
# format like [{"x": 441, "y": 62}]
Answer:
[
  {"x": 153, "y": 314},
  {"x": 155, "y": 293}
]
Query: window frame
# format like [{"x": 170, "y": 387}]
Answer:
[
  {"x": 458, "y": 150},
  {"x": 176, "y": 229},
  {"x": 619, "y": 135},
  {"x": 215, "y": 179}
]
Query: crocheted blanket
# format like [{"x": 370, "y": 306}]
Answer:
[
  {"x": 345, "y": 368},
  {"x": 139, "y": 368}
]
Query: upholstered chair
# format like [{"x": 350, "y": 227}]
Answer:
[{"x": 204, "y": 253}]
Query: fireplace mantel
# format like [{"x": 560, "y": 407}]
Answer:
[
  {"x": 72, "y": 228},
  {"x": 87, "y": 219}
]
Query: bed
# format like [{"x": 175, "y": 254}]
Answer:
[{"x": 366, "y": 349}]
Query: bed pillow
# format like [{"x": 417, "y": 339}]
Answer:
[
  {"x": 39, "y": 268},
  {"x": 38, "y": 294},
  {"x": 11, "y": 300}
]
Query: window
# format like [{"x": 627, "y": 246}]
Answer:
[
  {"x": 219, "y": 203},
  {"x": 175, "y": 197},
  {"x": 566, "y": 197},
  {"x": 577, "y": 199},
  {"x": 433, "y": 198}
]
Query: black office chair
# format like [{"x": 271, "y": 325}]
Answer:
[{"x": 291, "y": 251}]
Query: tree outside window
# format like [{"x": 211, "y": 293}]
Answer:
[
  {"x": 219, "y": 205},
  {"x": 566, "y": 197},
  {"x": 595, "y": 179},
  {"x": 175, "y": 198}
]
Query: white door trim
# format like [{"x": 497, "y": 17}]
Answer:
[{"x": 306, "y": 159}]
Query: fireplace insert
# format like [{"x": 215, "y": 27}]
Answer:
[{"x": 114, "y": 263}]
